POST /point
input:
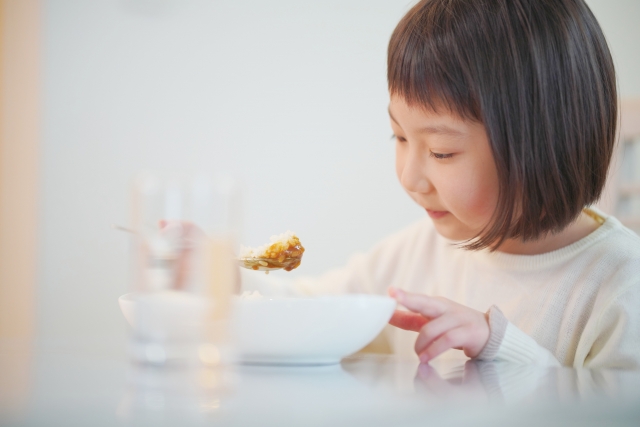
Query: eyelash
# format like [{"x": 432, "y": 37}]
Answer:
[{"x": 439, "y": 156}]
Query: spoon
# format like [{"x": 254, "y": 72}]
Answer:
[
  {"x": 268, "y": 264},
  {"x": 256, "y": 264}
]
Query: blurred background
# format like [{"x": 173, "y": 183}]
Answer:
[{"x": 289, "y": 97}]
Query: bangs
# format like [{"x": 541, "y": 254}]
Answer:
[{"x": 425, "y": 66}]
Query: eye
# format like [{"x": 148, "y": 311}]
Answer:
[
  {"x": 398, "y": 138},
  {"x": 441, "y": 156}
]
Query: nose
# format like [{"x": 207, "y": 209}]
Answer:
[{"x": 414, "y": 175}]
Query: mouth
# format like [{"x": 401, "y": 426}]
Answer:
[{"x": 436, "y": 214}]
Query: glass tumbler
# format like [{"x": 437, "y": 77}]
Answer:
[{"x": 184, "y": 272}]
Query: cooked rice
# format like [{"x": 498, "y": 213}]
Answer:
[
  {"x": 251, "y": 295},
  {"x": 277, "y": 244}
]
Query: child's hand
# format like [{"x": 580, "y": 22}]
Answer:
[
  {"x": 189, "y": 235},
  {"x": 442, "y": 323}
]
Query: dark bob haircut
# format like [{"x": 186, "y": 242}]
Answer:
[{"x": 539, "y": 75}]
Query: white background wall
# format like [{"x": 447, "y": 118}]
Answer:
[{"x": 289, "y": 95}]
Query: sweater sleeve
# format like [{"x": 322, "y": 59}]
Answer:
[{"x": 508, "y": 343}]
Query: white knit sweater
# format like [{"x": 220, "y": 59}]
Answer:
[{"x": 577, "y": 306}]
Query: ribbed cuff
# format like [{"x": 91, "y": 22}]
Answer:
[
  {"x": 519, "y": 347},
  {"x": 497, "y": 328}
]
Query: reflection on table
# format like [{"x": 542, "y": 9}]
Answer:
[{"x": 76, "y": 383}]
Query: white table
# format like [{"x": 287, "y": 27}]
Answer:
[{"x": 92, "y": 383}]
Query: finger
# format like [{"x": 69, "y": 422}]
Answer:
[
  {"x": 173, "y": 224},
  {"x": 428, "y": 378},
  {"x": 427, "y": 306},
  {"x": 182, "y": 269},
  {"x": 434, "y": 329},
  {"x": 426, "y": 372},
  {"x": 407, "y": 320},
  {"x": 451, "y": 339},
  {"x": 172, "y": 227}
]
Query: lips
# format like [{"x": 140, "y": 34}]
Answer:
[{"x": 436, "y": 214}]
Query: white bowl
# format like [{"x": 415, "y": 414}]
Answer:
[
  {"x": 299, "y": 331},
  {"x": 164, "y": 315},
  {"x": 305, "y": 331}
]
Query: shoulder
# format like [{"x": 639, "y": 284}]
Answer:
[
  {"x": 617, "y": 255},
  {"x": 619, "y": 245},
  {"x": 612, "y": 334},
  {"x": 618, "y": 237}
]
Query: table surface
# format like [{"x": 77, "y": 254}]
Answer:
[{"x": 92, "y": 383}]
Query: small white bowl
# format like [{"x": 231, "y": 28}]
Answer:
[
  {"x": 282, "y": 331},
  {"x": 307, "y": 331}
]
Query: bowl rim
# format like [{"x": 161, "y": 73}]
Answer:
[
  {"x": 318, "y": 298},
  {"x": 132, "y": 297}
]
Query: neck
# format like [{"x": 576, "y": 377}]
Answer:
[{"x": 580, "y": 228}]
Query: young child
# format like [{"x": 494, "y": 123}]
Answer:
[{"x": 504, "y": 113}]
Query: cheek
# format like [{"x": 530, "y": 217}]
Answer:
[
  {"x": 481, "y": 201},
  {"x": 475, "y": 196}
]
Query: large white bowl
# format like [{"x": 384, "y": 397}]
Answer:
[
  {"x": 164, "y": 315},
  {"x": 299, "y": 331},
  {"x": 307, "y": 330}
]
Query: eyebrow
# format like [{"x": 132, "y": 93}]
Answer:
[{"x": 436, "y": 129}]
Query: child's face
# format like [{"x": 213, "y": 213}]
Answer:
[{"x": 446, "y": 166}]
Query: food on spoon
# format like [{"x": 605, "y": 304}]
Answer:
[{"x": 285, "y": 251}]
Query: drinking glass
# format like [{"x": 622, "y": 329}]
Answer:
[{"x": 185, "y": 231}]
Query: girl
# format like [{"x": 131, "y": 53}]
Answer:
[{"x": 504, "y": 114}]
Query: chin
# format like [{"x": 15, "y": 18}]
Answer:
[{"x": 452, "y": 232}]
